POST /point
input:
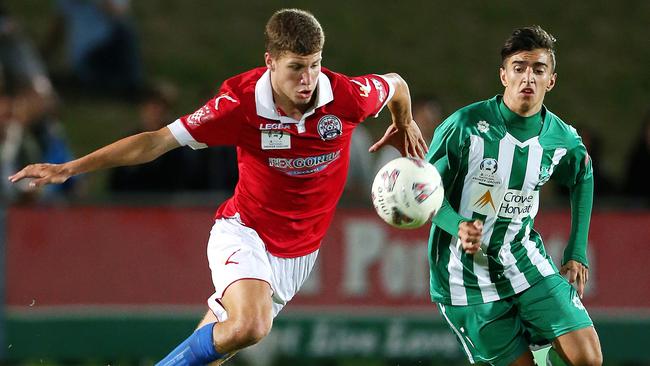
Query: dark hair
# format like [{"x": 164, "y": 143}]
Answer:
[
  {"x": 528, "y": 39},
  {"x": 293, "y": 30}
]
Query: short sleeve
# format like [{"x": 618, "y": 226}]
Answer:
[
  {"x": 217, "y": 123},
  {"x": 371, "y": 93}
]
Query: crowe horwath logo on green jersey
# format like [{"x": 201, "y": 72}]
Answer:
[
  {"x": 512, "y": 203},
  {"x": 517, "y": 204}
]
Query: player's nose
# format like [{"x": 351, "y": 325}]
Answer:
[{"x": 305, "y": 78}]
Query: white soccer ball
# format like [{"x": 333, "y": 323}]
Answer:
[{"x": 407, "y": 192}]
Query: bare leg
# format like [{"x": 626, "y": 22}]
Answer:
[
  {"x": 526, "y": 359},
  {"x": 250, "y": 315},
  {"x": 207, "y": 319},
  {"x": 580, "y": 347}
]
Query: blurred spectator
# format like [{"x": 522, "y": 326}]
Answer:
[
  {"x": 603, "y": 184},
  {"x": 170, "y": 172},
  {"x": 637, "y": 175},
  {"x": 101, "y": 44},
  {"x": 217, "y": 165},
  {"x": 360, "y": 172},
  {"x": 17, "y": 149},
  {"x": 31, "y": 98},
  {"x": 37, "y": 116},
  {"x": 22, "y": 67},
  {"x": 180, "y": 170},
  {"x": 428, "y": 113},
  {"x": 217, "y": 170}
]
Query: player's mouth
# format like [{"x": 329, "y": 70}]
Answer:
[
  {"x": 527, "y": 91},
  {"x": 305, "y": 94}
]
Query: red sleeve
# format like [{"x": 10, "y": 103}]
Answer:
[
  {"x": 371, "y": 93},
  {"x": 218, "y": 122}
]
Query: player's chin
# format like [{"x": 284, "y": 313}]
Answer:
[{"x": 301, "y": 101}]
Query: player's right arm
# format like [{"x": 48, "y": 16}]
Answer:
[
  {"x": 444, "y": 153},
  {"x": 137, "y": 149}
]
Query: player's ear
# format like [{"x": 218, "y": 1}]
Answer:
[
  {"x": 551, "y": 83},
  {"x": 268, "y": 60},
  {"x": 502, "y": 76}
]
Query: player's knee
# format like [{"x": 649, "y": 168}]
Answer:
[
  {"x": 594, "y": 358},
  {"x": 591, "y": 357},
  {"x": 252, "y": 330}
]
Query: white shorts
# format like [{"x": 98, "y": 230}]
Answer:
[{"x": 236, "y": 252}]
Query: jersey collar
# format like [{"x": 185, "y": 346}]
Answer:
[{"x": 264, "y": 98}]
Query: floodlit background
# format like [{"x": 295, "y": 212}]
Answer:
[{"x": 111, "y": 268}]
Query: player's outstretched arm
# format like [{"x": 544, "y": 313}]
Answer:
[
  {"x": 404, "y": 134},
  {"x": 132, "y": 150}
]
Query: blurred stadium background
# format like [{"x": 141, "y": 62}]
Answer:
[{"x": 99, "y": 278}]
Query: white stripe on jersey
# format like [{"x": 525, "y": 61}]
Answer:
[
  {"x": 536, "y": 258},
  {"x": 557, "y": 155},
  {"x": 455, "y": 268},
  {"x": 481, "y": 270}
]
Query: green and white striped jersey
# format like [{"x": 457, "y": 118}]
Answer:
[{"x": 490, "y": 175}]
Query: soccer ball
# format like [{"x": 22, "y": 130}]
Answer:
[{"x": 407, "y": 192}]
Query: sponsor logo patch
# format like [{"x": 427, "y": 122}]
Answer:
[
  {"x": 517, "y": 204},
  {"x": 484, "y": 200},
  {"x": 482, "y": 126},
  {"x": 302, "y": 166},
  {"x": 488, "y": 173}
]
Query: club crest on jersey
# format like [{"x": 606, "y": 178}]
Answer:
[
  {"x": 488, "y": 173},
  {"x": 197, "y": 118},
  {"x": 329, "y": 127}
]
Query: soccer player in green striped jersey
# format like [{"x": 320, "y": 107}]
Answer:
[{"x": 493, "y": 281}]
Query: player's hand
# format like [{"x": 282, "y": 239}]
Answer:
[
  {"x": 576, "y": 273},
  {"x": 470, "y": 234},
  {"x": 42, "y": 174},
  {"x": 408, "y": 141}
]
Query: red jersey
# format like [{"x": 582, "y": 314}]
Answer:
[{"x": 291, "y": 173}]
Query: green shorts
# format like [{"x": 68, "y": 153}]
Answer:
[{"x": 498, "y": 332}]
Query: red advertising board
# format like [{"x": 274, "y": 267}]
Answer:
[{"x": 116, "y": 256}]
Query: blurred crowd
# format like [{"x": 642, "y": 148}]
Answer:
[{"x": 101, "y": 55}]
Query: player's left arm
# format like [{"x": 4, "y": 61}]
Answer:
[
  {"x": 577, "y": 174},
  {"x": 403, "y": 133}
]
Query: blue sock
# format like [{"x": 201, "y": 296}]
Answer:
[{"x": 197, "y": 349}]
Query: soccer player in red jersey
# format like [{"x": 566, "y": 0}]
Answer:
[{"x": 292, "y": 122}]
